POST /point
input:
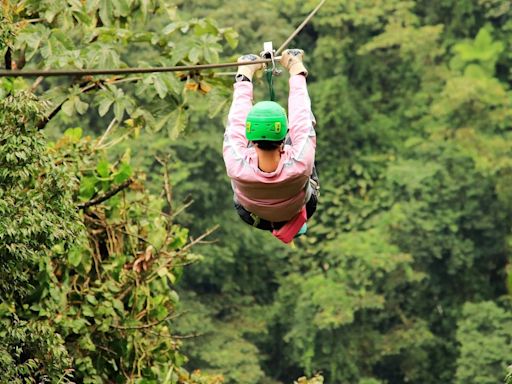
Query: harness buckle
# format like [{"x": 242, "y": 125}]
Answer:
[{"x": 269, "y": 53}]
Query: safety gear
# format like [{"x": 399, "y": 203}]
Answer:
[
  {"x": 248, "y": 70},
  {"x": 302, "y": 230},
  {"x": 266, "y": 121},
  {"x": 292, "y": 228},
  {"x": 291, "y": 59}
]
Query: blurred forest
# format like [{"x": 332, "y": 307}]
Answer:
[{"x": 122, "y": 259}]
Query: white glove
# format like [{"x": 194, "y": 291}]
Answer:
[
  {"x": 249, "y": 69},
  {"x": 291, "y": 59}
]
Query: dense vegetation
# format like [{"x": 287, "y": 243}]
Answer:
[{"x": 122, "y": 260}]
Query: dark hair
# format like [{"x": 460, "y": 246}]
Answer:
[{"x": 267, "y": 145}]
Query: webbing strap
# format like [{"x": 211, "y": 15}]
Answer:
[
  {"x": 256, "y": 220},
  {"x": 270, "y": 81}
]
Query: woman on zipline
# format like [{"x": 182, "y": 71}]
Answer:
[{"x": 269, "y": 158}]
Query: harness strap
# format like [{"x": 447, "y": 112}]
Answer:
[
  {"x": 269, "y": 53},
  {"x": 256, "y": 219},
  {"x": 270, "y": 81}
]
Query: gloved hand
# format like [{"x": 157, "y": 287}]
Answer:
[
  {"x": 291, "y": 59},
  {"x": 250, "y": 69}
]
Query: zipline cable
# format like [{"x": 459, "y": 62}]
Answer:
[
  {"x": 123, "y": 71},
  {"x": 120, "y": 71},
  {"x": 299, "y": 28}
]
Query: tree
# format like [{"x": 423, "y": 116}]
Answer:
[
  {"x": 37, "y": 215},
  {"x": 484, "y": 332},
  {"x": 90, "y": 294},
  {"x": 411, "y": 146}
]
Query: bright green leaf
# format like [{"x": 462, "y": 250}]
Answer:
[{"x": 103, "y": 168}]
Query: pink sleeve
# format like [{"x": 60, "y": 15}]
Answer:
[
  {"x": 301, "y": 122},
  {"x": 235, "y": 142}
]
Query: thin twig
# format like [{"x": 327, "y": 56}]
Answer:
[
  {"x": 109, "y": 128},
  {"x": 67, "y": 372},
  {"x": 106, "y": 349},
  {"x": 149, "y": 325},
  {"x": 105, "y": 196},
  {"x": 115, "y": 141},
  {"x": 198, "y": 240},
  {"x": 187, "y": 336},
  {"x": 167, "y": 184},
  {"x": 176, "y": 336},
  {"x": 136, "y": 236},
  {"x": 31, "y": 21},
  {"x": 182, "y": 208},
  {"x": 36, "y": 84}
]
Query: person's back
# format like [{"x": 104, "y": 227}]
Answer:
[{"x": 271, "y": 176}]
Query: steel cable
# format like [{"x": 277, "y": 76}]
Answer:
[{"x": 123, "y": 71}]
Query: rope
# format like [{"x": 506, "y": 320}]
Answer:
[
  {"x": 123, "y": 71},
  {"x": 269, "y": 76}
]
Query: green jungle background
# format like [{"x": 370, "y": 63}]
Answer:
[{"x": 122, "y": 259}]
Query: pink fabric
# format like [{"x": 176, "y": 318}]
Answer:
[
  {"x": 287, "y": 232},
  {"x": 279, "y": 195}
]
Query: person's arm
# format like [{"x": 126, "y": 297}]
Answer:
[
  {"x": 235, "y": 141},
  {"x": 300, "y": 118},
  {"x": 301, "y": 121}
]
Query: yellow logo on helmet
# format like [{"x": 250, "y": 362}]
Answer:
[
  {"x": 248, "y": 126},
  {"x": 277, "y": 127}
]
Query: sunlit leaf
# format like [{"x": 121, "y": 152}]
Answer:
[
  {"x": 160, "y": 86},
  {"x": 69, "y": 106},
  {"x": 124, "y": 172},
  {"x": 231, "y": 37},
  {"x": 103, "y": 168},
  {"x": 87, "y": 187},
  {"x": 80, "y": 106}
]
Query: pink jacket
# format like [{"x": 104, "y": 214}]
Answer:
[{"x": 279, "y": 195}]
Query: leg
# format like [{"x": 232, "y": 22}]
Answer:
[
  {"x": 312, "y": 202},
  {"x": 314, "y": 184}
]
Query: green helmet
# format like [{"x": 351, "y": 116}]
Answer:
[{"x": 266, "y": 121}]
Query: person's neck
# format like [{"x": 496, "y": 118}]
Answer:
[{"x": 268, "y": 161}]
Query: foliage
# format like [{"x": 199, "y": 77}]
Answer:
[
  {"x": 98, "y": 305},
  {"x": 30, "y": 350},
  {"x": 37, "y": 215},
  {"x": 119, "y": 284},
  {"x": 35, "y": 197},
  {"x": 484, "y": 332},
  {"x": 317, "y": 379},
  {"x": 97, "y": 35},
  {"x": 406, "y": 270},
  {"x": 413, "y": 151},
  {"x": 508, "y": 378},
  {"x": 89, "y": 296}
]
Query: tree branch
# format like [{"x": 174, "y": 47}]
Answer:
[
  {"x": 109, "y": 128},
  {"x": 36, "y": 84},
  {"x": 8, "y": 58},
  {"x": 96, "y": 84},
  {"x": 144, "y": 326},
  {"x": 107, "y": 195},
  {"x": 167, "y": 184},
  {"x": 44, "y": 122},
  {"x": 198, "y": 240}
]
